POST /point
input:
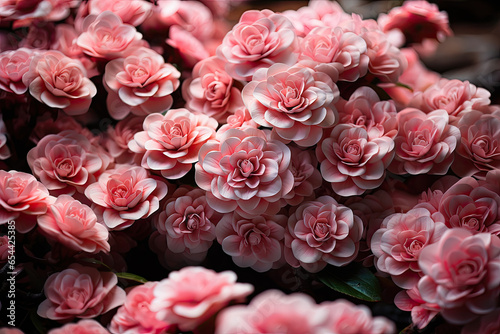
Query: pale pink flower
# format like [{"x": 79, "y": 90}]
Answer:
[
  {"x": 85, "y": 326},
  {"x": 61, "y": 9},
  {"x": 80, "y": 292},
  {"x": 431, "y": 198},
  {"x": 4, "y": 148},
  {"x": 74, "y": 225},
  {"x": 116, "y": 139},
  {"x": 425, "y": 142},
  {"x": 273, "y": 312},
  {"x": 322, "y": 232},
  {"x": 60, "y": 82},
  {"x": 189, "y": 47},
  {"x": 399, "y": 240},
  {"x": 23, "y": 12},
  {"x": 296, "y": 102},
  {"x": 479, "y": 149},
  {"x": 461, "y": 274},
  {"x": 364, "y": 109},
  {"x": 211, "y": 91},
  {"x": 192, "y": 16},
  {"x": 256, "y": 242},
  {"x": 125, "y": 194},
  {"x": 135, "y": 315},
  {"x": 422, "y": 312},
  {"x": 106, "y": 36},
  {"x": 190, "y": 296},
  {"x": 133, "y": 12},
  {"x": 455, "y": 96},
  {"x": 13, "y": 65},
  {"x": 472, "y": 205},
  {"x": 188, "y": 221},
  {"x": 418, "y": 20},
  {"x": 258, "y": 40},
  {"x": 245, "y": 172},
  {"x": 140, "y": 83},
  {"x": 241, "y": 119},
  {"x": 345, "y": 317},
  {"x": 488, "y": 323},
  {"x": 351, "y": 161},
  {"x": 171, "y": 142},
  {"x": 66, "y": 162}
]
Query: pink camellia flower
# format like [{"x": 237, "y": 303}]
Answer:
[
  {"x": 188, "y": 221},
  {"x": 455, "y": 96},
  {"x": 461, "y": 274},
  {"x": 418, "y": 20},
  {"x": 171, "y": 143},
  {"x": 346, "y": 318},
  {"x": 61, "y": 9},
  {"x": 141, "y": 83},
  {"x": 125, "y": 194},
  {"x": 422, "y": 312},
  {"x": 296, "y": 102},
  {"x": 60, "y": 82},
  {"x": 333, "y": 51},
  {"x": 322, "y": 232},
  {"x": 479, "y": 149},
  {"x": 273, "y": 312},
  {"x": 74, "y": 225},
  {"x": 189, "y": 47},
  {"x": 425, "y": 142},
  {"x": 133, "y": 12},
  {"x": 256, "y": 243},
  {"x": 364, "y": 109},
  {"x": 192, "y": 16},
  {"x": 353, "y": 162},
  {"x": 40, "y": 36},
  {"x": 13, "y": 65},
  {"x": 399, "y": 240},
  {"x": 117, "y": 138},
  {"x": 489, "y": 323},
  {"x": 106, "y": 36},
  {"x": 66, "y": 162},
  {"x": 135, "y": 315},
  {"x": 23, "y": 12},
  {"x": 85, "y": 326},
  {"x": 258, "y": 40},
  {"x": 4, "y": 148},
  {"x": 245, "y": 172},
  {"x": 241, "y": 119},
  {"x": 210, "y": 90},
  {"x": 190, "y": 296},
  {"x": 472, "y": 205},
  {"x": 80, "y": 292}
]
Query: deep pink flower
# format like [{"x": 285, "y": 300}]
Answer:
[
  {"x": 60, "y": 82},
  {"x": 322, "y": 232},
  {"x": 422, "y": 312},
  {"x": 135, "y": 315},
  {"x": 256, "y": 242},
  {"x": 140, "y": 83},
  {"x": 74, "y": 225},
  {"x": 461, "y": 274},
  {"x": 191, "y": 295},
  {"x": 171, "y": 143},
  {"x": 86, "y": 326},
  {"x": 425, "y": 142},
  {"x": 13, "y": 65},
  {"x": 210, "y": 90},
  {"x": 241, "y": 119},
  {"x": 246, "y": 172},
  {"x": 66, "y": 162},
  {"x": 125, "y": 194},
  {"x": 258, "y": 40},
  {"x": 80, "y": 292},
  {"x": 399, "y": 240},
  {"x": 352, "y": 161},
  {"x": 132, "y": 12}
]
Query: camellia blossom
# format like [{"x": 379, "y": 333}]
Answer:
[
  {"x": 132, "y": 12},
  {"x": 322, "y": 232},
  {"x": 116, "y": 139},
  {"x": 189, "y": 47},
  {"x": 246, "y": 172},
  {"x": 190, "y": 296},
  {"x": 422, "y": 312},
  {"x": 399, "y": 240},
  {"x": 461, "y": 274},
  {"x": 125, "y": 194},
  {"x": 13, "y": 65},
  {"x": 258, "y": 40},
  {"x": 241, "y": 119},
  {"x": 296, "y": 102},
  {"x": 74, "y": 225},
  {"x": 24, "y": 12},
  {"x": 425, "y": 142},
  {"x": 85, "y": 326},
  {"x": 351, "y": 161},
  {"x": 171, "y": 142},
  {"x": 80, "y": 292},
  {"x": 60, "y": 82},
  {"x": 256, "y": 243}
]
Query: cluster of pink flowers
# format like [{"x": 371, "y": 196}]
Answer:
[{"x": 292, "y": 142}]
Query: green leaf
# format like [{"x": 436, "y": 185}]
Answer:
[
  {"x": 353, "y": 280},
  {"x": 400, "y": 84},
  {"x": 132, "y": 277},
  {"x": 97, "y": 262}
]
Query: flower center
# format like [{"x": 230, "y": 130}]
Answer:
[
  {"x": 354, "y": 149},
  {"x": 321, "y": 230},
  {"x": 193, "y": 222},
  {"x": 65, "y": 167},
  {"x": 246, "y": 167}
]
